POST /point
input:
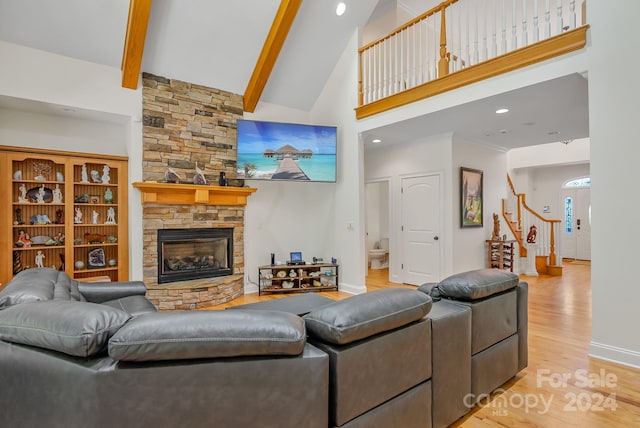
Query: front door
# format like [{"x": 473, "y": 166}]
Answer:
[
  {"x": 576, "y": 223},
  {"x": 420, "y": 229}
]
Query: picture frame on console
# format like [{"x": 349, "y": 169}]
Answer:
[{"x": 471, "y": 197}]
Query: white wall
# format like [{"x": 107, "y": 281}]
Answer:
[
  {"x": 547, "y": 185},
  {"x": 613, "y": 116},
  {"x": 469, "y": 246},
  {"x": 319, "y": 219},
  {"x": 93, "y": 89},
  {"x": 578, "y": 151},
  {"x": 46, "y": 131},
  {"x": 393, "y": 162}
]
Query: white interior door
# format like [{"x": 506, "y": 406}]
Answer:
[
  {"x": 420, "y": 228},
  {"x": 576, "y": 223}
]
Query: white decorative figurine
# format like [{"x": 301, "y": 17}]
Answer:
[
  {"x": 95, "y": 176},
  {"x": 40, "y": 259},
  {"x": 23, "y": 194},
  {"x": 105, "y": 174},
  {"x": 85, "y": 177},
  {"x": 57, "y": 195},
  {"x": 111, "y": 216},
  {"x": 40, "y": 195},
  {"x": 94, "y": 217},
  {"x": 78, "y": 218}
]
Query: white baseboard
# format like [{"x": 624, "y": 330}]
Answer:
[
  {"x": 352, "y": 289},
  {"x": 614, "y": 354}
]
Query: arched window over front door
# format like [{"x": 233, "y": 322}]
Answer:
[{"x": 578, "y": 182}]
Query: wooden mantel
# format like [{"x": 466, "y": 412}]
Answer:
[{"x": 192, "y": 194}]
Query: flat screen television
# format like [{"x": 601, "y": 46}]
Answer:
[{"x": 286, "y": 151}]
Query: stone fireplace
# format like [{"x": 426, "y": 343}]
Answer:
[{"x": 187, "y": 125}]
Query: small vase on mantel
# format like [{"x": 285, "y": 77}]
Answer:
[{"x": 222, "y": 181}]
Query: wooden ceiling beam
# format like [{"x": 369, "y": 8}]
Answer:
[
  {"x": 139, "y": 11},
  {"x": 273, "y": 44}
]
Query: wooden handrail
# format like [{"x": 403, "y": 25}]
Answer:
[
  {"x": 552, "y": 241},
  {"x": 408, "y": 24}
]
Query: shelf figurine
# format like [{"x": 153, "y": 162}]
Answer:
[
  {"x": 22, "y": 198},
  {"x": 24, "y": 240},
  {"x": 111, "y": 216},
  {"x": 40, "y": 195},
  {"x": 105, "y": 174},
  {"x": 95, "y": 176},
  {"x": 18, "y": 217},
  {"x": 40, "y": 259},
  {"x": 57, "y": 194},
  {"x": 78, "y": 218},
  {"x": 85, "y": 177},
  {"x": 94, "y": 217},
  {"x": 108, "y": 196},
  {"x": 199, "y": 178}
]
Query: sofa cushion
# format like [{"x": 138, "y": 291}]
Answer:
[
  {"x": 133, "y": 305},
  {"x": 365, "y": 315},
  {"x": 30, "y": 285},
  {"x": 476, "y": 284},
  {"x": 75, "y": 328},
  {"x": 208, "y": 334}
]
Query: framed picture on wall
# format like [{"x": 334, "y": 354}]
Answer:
[{"x": 471, "y": 197}]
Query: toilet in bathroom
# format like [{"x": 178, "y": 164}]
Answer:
[{"x": 379, "y": 257}]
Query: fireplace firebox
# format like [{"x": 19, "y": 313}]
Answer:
[{"x": 186, "y": 254}]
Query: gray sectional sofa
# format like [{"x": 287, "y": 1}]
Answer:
[{"x": 99, "y": 355}]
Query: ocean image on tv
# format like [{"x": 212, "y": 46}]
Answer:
[{"x": 284, "y": 151}]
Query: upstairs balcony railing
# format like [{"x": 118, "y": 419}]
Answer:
[{"x": 465, "y": 41}]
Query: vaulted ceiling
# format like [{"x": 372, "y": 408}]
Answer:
[{"x": 216, "y": 43}]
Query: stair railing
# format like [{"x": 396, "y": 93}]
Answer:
[
  {"x": 457, "y": 34},
  {"x": 547, "y": 230}
]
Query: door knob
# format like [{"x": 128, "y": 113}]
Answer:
[{"x": 435, "y": 238}]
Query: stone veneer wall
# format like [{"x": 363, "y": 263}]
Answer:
[{"x": 184, "y": 124}]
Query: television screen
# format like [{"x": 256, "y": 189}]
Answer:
[{"x": 286, "y": 151}]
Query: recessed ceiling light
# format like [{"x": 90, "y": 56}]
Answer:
[
  {"x": 341, "y": 8},
  {"x": 502, "y": 110},
  {"x": 553, "y": 132},
  {"x": 504, "y": 131},
  {"x": 376, "y": 140}
]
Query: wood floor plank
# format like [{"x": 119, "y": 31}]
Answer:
[{"x": 559, "y": 336}]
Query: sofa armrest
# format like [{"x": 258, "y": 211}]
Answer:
[
  {"x": 99, "y": 292},
  {"x": 523, "y": 320}
]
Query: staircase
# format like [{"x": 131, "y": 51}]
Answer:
[{"x": 520, "y": 217}]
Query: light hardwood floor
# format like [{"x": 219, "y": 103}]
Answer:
[{"x": 594, "y": 393}]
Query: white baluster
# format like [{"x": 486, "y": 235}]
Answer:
[
  {"x": 364, "y": 70},
  {"x": 485, "y": 45},
  {"x": 468, "y": 53},
  {"x": 476, "y": 39},
  {"x": 459, "y": 64},
  {"x": 536, "y": 30},
  {"x": 413, "y": 56},
  {"x": 450, "y": 40},
  {"x": 385, "y": 68},
  {"x": 421, "y": 37},
  {"x": 525, "y": 36},
  {"x": 378, "y": 74},
  {"x": 514, "y": 30},
  {"x": 395, "y": 64},
  {"x": 547, "y": 20},
  {"x": 504, "y": 26},
  {"x": 494, "y": 44},
  {"x": 559, "y": 15},
  {"x": 572, "y": 10},
  {"x": 403, "y": 64}
]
